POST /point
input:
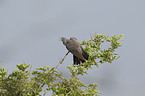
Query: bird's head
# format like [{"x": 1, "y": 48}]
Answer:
[{"x": 64, "y": 40}]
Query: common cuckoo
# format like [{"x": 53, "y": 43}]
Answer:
[{"x": 79, "y": 55}]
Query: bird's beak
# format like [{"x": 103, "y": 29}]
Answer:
[{"x": 60, "y": 38}]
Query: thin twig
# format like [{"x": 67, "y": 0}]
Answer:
[
  {"x": 76, "y": 76},
  {"x": 62, "y": 60},
  {"x": 114, "y": 59}
]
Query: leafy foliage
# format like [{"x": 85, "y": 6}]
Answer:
[{"x": 24, "y": 82}]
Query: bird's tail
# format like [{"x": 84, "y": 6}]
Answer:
[{"x": 77, "y": 60}]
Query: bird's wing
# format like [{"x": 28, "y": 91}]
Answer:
[
  {"x": 75, "y": 50},
  {"x": 85, "y": 54}
]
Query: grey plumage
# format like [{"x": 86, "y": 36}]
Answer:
[{"x": 79, "y": 55}]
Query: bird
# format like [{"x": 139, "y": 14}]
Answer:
[{"x": 73, "y": 46}]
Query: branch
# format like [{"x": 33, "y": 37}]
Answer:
[
  {"x": 57, "y": 66},
  {"x": 62, "y": 60}
]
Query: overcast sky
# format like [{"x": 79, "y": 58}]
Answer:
[{"x": 30, "y": 31}]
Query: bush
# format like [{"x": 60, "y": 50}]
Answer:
[{"x": 24, "y": 82}]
